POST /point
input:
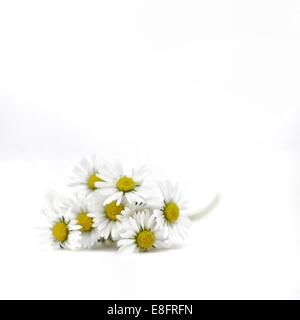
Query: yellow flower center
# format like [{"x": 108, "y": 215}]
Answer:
[
  {"x": 112, "y": 210},
  {"x": 126, "y": 184},
  {"x": 171, "y": 212},
  {"x": 85, "y": 222},
  {"x": 92, "y": 180},
  {"x": 145, "y": 239},
  {"x": 60, "y": 231}
]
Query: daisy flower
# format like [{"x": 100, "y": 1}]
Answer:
[
  {"x": 170, "y": 213},
  {"x": 80, "y": 210},
  {"x": 86, "y": 174},
  {"x": 121, "y": 187},
  {"x": 62, "y": 230},
  {"x": 106, "y": 217},
  {"x": 140, "y": 232}
]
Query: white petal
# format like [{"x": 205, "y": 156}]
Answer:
[
  {"x": 116, "y": 196},
  {"x": 127, "y": 249},
  {"x": 125, "y": 242}
]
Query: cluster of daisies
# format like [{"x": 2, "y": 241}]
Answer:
[{"x": 108, "y": 204}]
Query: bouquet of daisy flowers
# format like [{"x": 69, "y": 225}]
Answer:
[{"x": 111, "y": 205}]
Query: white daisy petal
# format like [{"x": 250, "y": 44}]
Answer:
[
  {"x": 125, "y": 242},
  {"x": 114, "y": 197},
  {"x": 127, "y": 249}
]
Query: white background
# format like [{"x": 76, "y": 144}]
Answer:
[{"x": 204, "y": 92}]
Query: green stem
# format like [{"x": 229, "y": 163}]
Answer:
[{"x": 210, "y": 207}]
